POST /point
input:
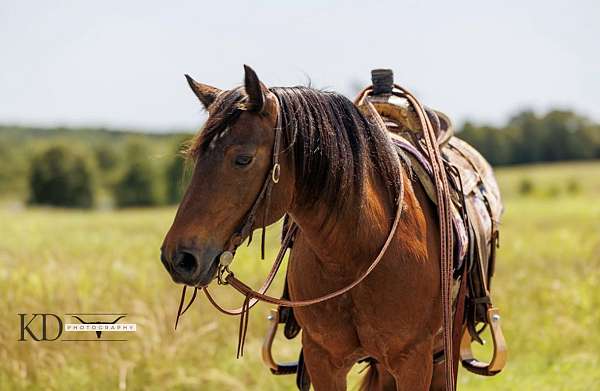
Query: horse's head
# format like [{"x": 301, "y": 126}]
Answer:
[{"x": 233, "y": 156}]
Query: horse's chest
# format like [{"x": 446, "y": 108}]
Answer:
[
  {"x": 386, "y": 306},
  {"x": 364, "y": 314}
]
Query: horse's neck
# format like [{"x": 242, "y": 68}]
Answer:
[{"x": 357, "y": 234}]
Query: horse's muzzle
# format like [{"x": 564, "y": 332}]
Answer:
[{"x": 192, "y": 267}]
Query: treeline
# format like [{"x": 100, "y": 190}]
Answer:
[
  {"x": 87, "y": 168},
  {"x": 106, "y": 168},
  {"x": 529, "y": 138}
]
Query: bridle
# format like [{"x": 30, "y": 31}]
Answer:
[
  {"x": 245, "y": 230},
  {"x": 226, "y": 277}
]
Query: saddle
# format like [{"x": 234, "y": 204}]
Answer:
[{"x": 476, "y": 211}]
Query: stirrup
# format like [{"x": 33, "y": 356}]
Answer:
[
  {"x": 267, "y": 356},
  {"x": 499, "y": 357}
]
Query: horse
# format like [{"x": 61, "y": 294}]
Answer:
[{"x": 342, "y": 183}]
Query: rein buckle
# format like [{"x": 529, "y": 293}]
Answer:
[
  {"x": 222, "y": 274},
  {"x": 276, "y": 173}
]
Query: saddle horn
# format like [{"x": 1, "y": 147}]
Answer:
[{"x": 383, "y": 81}]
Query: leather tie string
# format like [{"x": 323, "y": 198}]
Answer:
[
  {"x": 179, "y": 311},
  {"x": 243, "y": 326}
]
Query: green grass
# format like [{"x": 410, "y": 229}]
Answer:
[{"x": 546, "y": 286}]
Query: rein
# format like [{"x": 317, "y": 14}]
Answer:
[
  {"x": 445, "y": 223},
  {"x": 260, "y": 296}
]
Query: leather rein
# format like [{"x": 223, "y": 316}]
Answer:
[{"x": 445, "y": 223}]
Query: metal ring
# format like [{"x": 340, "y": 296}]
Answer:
[{"x": 276, "y": 172}]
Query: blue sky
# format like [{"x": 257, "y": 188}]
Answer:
[{"x": 115, "y": 63}]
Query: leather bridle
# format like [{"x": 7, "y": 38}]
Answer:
[
  {"x": 272, "y": 178},
  {"x": 245, "y": 230}
]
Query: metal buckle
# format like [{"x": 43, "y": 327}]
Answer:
[
  {"x": 222, "y": 273},
  {"x": 276, "y": 172}
]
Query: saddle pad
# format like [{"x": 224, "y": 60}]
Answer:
[{"x": 480, "y": 193}]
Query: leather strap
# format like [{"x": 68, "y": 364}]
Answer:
[
  {"x": 445, "y": 221},
  {"x": 271, "y": 178},
  {"x": 459, "y": 318},
  {"x": 268, "y": 281},
  {"x": 247, "y": 291}
]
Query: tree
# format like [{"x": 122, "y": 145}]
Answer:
[
  {"x": 106, "y": 156},
  {"x": 177, "y": 177},
  {"x": 62, "y": 176},
  {"x": 138, "y": 185},
  {"x": 491, "y": 142},
  {"x": 527, "y": 138}
]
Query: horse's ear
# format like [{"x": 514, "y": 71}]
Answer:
[
  {"x": 205, "y": 93},
  {"x": 255, "y": 90}
]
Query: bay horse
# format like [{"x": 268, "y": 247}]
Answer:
[{"x": 340, "y": 181}]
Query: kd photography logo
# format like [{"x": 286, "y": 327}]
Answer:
[{"x": 75, "y": 327}]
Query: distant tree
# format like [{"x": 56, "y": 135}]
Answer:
[
  {"x": 106, "y": 156},
  {"x": 177, "y": 177},
  {"x": 590, "y": 138},
  {"x": 62, "y": 176},
  {"x": 14, "y": 166},
  {"x": 527, "y": 136},
  {"x": 138, "y": 186},
  {"x": 491, "y": 142},
  {"x": 571, "y": 136},
  {"x": 557, "y": 135}
]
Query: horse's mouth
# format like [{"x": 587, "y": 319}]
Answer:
[
  {"x": 209, "y": 275},
  {"x": 201, "y": 278},
  {"x": 206, "y": 276}
]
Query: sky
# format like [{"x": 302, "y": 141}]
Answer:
[{"x": 121, "y": 63}]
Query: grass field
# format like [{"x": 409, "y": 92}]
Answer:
[{"x": 546, "y": 285}]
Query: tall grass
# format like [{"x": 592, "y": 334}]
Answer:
[{"x": 546, "y": 286}]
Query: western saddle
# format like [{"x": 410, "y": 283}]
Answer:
[{"x": 476, "y": 212}]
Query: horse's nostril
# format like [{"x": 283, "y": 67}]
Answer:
[{"x": 185, "y": 262}]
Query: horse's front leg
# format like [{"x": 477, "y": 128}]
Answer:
[
  {"x": 438, "y": 378},
  {"x": 413, "y": 366},
  {"x": 327, "y": 373}
]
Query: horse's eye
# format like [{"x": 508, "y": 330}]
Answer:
[{"x": 243, "y": 160}]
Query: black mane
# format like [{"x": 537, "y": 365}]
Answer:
[{"x": 334, "y": 145}]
